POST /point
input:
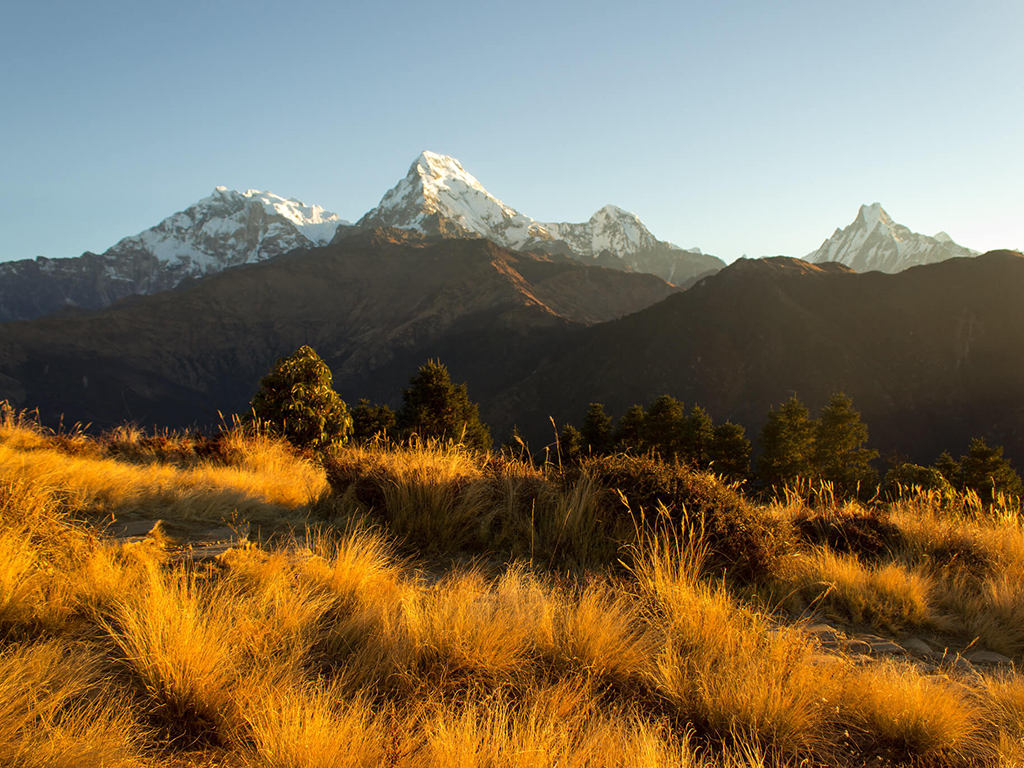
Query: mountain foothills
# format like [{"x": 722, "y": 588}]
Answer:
[
  {"x": 374, "y": 305},
  {"x": 932, "y": 356},
  {"x": 227, "y": 229},
  {"x": 875, "y": 242}
]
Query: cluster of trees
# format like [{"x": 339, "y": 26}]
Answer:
[
  {"x": 983, "y": 469},
  {"x": 665, "y": 428},
  {"x": 297, "y": 399}
]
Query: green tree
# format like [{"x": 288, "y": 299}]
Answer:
[
  {"x": 629, "y": 433},
  {"x": 597, "y": 429},
  {"x": 570, "y": 444},
  {"x": 370, "y": 420},
  {"x": 663, "y": 426},
  {"x": 839, "y": 453},
  {"x": 432, "y": 406},
  {"x": 696, "y": 436},
  {"x": 950, "y": 469},
  {"x": 987, "y": 473},
  {"x": 297, "y": 400},
  {"x": 730, "y": 451},
  {"x": 787, "y": 445}
]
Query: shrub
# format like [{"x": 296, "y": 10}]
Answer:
[
  {"x": 743, "y": 538},
  {"x": 297, "y": 400},
  {"x": 434, "y": 407}
]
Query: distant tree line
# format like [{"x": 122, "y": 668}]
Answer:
[{"x": 297, "y": 400}]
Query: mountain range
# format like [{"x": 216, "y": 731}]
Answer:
[
  {"x": 227, "y": 229},
  {"x": 931, "y": 356},
  {"x": 178, "y": 323},
  {"x": 437, "y": 197}
]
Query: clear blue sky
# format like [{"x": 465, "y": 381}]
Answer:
[{"x": 739, "y": 127}]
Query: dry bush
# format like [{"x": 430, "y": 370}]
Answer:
[
  {"x": 849, "y": 529},
  {"x": 744, "y": 540},
  {"x": 179, "y": 637},
  {"x": 57, "y": 709},
  {"x": 722, "y": 667},
  {"x": 888, "y": 595},
  {"x": 935, "y": 721},
  {"x": 416, "y": 490}
]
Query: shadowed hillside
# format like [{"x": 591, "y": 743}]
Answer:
[
  {"x": 374, "y": 306},
  {"x": 932, "y": 356}
]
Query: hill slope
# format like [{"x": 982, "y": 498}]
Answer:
[
  {"x": 931, "y": 356},
  {"x": 375, "y": 307}
]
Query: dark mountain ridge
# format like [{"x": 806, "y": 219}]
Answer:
[
  {"x": 375, "y": 306},
  {"x": 931, "y": 356}
]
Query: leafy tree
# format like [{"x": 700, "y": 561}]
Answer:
[
  {"x": 297, "y": 400},
  {"x": 787, "y": 445},
  {"x": 370, "y": 420},
  {"x": 663, "y": 426},
  {"x": 597, "y": 429},
  {"x": 729, "y": 452},
  {"x": 696, "y": 436},
  {"x": 433, "y": 406},
  {"x": 629, "y": 433},
  {"x": 987, "y": 473},
  {"x": 839, "y": 453}
]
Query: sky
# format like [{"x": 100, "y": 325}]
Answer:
[{"x": 742, "y": 128}]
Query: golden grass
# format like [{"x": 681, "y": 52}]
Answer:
[
  {"x": 935, "y": 720},
  {"x": 327, "y": 649},
  {"x": 265, "y": 485},
  {"x": 888, "y": 595},
  {"x": 55, "y": 710}
]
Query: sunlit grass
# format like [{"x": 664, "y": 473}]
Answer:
[{"x": 544, "y": 640}]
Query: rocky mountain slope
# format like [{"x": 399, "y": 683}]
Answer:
[
  {"x": 875, "y": 242},
  {"x": 375, "y": 306},
  {"x": 223, "y": 230},
  {"x": 932, "y": 356},
  {"x": 439, "y": 197}
]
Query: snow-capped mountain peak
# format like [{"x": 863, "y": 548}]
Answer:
[
  {"x": 875, "y": 242},
  {"x": 228, "y": 228},
  {"x": 439, "y": 195},
  {"x": 437, "y": 188}
]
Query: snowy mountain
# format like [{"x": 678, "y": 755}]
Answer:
[
  {"x": 223, "y": 230},
  {"x": 875, "y": 242},
  {"x": 229, "y": 228},
  {"x": 438, "y": 196}
]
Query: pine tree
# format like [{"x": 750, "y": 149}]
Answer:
[
  {"x": 597, "y": 430},
  {"x": 629, "y": 433},
  {"x": 987, "y": 473},
  {"x": 434, "y": 407},
  {"x": 663, "y": 426},
  {"x": 839, "y": 454},
  {"x": 570, "y": 444},
  {"x": 950, "y": 469},
  {"x": 696, "y": 436},
  {"x": 787, "y": 445},
  {"x": 369, "y": 421},
  {"x": 730, "y": 451},
  {"x": 296, "y": 399}
]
